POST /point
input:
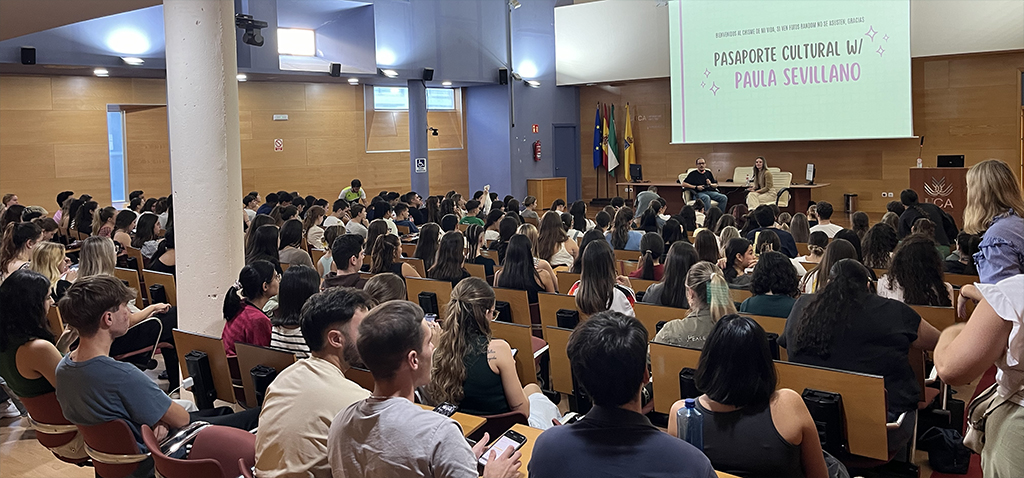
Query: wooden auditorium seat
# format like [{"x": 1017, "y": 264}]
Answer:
[
  {"x": 213, "y": 347},
  {"x": 250, "y": 356},
  {"x": 443, "y": 289}
]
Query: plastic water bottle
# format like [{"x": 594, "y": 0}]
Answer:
[
  {"x": 690, "y": 424},
  {"x": 920, "y": 163}
]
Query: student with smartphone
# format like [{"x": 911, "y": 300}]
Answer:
[{"x": 389, "y": 435}]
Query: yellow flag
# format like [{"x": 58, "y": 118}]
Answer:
[
  {"x": 604, "y": 140},
  {"x": 628, "y": 146}
]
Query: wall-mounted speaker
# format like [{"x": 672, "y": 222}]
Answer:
[
  {"x": 502, "y": 76},
  {"x": 335, "y": 69},
  {"x": 428, "y": 74},
  {"x": 28, "y": 55}
]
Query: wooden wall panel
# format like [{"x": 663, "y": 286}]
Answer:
[
  {"x": 53, "y": 136},
  {"x": 963, "y": 104}
]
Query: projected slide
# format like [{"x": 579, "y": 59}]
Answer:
[{"x": 774, "y": 70}]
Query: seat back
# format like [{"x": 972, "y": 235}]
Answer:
[
  {"x": 113, "y": 449},
  {"x": 54, "y": 321},
  {"x": 520, "y": 338},
  {"x": 687, "y": 194},
  {"x": 250, "y": 356},
  {"x": 621, "y": 255},
  {"x": 442, "y": 288},
  {"x": 165, "y": 279},
  {"x": 939, "y": 317},
  {"x": 224, "y": 446},
  {"x": 549, "y": 305},
  {"x": 565, "y": 281},
  {"x": 626, "y": 267},
  {"x": 416, "y": 264},
  {"x": 802, "y": 249},
  {"x": 316, "y": 254},
  {"x": 52, "y": 429},
  {"x": 776, "y": 325},
  {"x": 666, "y": 363},
  {"x": 132, "y": 277},
  {"x": 519, "y": 302},
  {"x": 475, "y": 270},
  {"x": 361, "y": 376},
  {"x": 650, "y": 315},
  {"x": 782, "y": 180},
  {"x": 408, "y": 249},
  {"x": 185, "y": 342},
  {"x": 741, "y": 173},
  {"x": 169, "y": 467},
  {"x": 641, "y": 285},
  {"x": 739, "y": 295},
  {"x": 560, "y": 370},
  {"x": 960, "y": 280}
]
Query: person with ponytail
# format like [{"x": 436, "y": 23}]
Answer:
[
  {"x": 836, "y": 251},
  {"x": 49, "y": 259},
  {"x": 621, "y": 237},
  {"x": 243, "y": 306},
  {"x": 653, "y": 248},
  {"x": 816, "y": 243},
  {"x": 474, "y": 370},
  {"x": 708, "y": 295},
  {"x": 103, "y": 221},
  {"x": 600, "y": 288},
  {"x": 648, "y": 221},
  {"x": 847, "y": 327},
  {"x": 475, "y": 243},
  {"x": 384, "y": 257},
  {"x": 16, "y": 247},
  {"x": 671, "y": 291},
  {"x": 739, "y": 255}
]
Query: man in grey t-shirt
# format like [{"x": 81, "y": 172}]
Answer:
[
  {"x": 643, "y": 199},
  {"x": 389, "y": 435}
]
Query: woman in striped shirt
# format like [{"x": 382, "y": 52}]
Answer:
[{"x": 298, "y": 284}]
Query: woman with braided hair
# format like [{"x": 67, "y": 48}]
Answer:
[{"x": 708, "y": 295}]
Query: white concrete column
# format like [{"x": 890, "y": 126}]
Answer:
[{"x": 206, "y": 169}]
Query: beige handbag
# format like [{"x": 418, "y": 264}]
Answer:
[{"x": 977, "y": 414}]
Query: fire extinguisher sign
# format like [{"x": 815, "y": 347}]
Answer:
[{"x": 536, "y": 128}]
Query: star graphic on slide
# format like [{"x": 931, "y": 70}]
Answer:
[
  {"x": 880, "y": 50},
  {"x": 702, "y": 84},
  {"x": 706, "y": 73},
  {"x": 886, "y": 37},
  {"x": 871, "y": 33},
  {"x": 714, "y": 88}
]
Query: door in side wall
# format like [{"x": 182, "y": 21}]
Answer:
[{"x": 565, "y": 151}]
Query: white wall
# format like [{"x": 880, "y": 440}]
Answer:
[{"x": 617, "y": 40}]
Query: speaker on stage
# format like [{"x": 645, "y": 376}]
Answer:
[{"x": 636, "y": 172}]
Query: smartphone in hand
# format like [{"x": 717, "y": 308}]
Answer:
[
  {"x": 446, "y": 409},
  {"x": 510, "y": 438}
]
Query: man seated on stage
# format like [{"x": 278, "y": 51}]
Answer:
[
  {"x": 766, "y": 221},
  {"x": 703, "y": 183},
  {"x": 608, "y": 354}
]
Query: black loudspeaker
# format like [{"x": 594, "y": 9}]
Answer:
[
  {"x": 28, "y": 55},
  {"x": 157, "y": 294},
  {"x": 502, "y": 76},
  {"x": 504, "y": 311},
  {"x": 428, "y": 74},
  {"x": 262, "y": 375},
  {"x": 827, "y": 411},
  {"x": 636, "y": 172},
  {"x": 198, "y": 366},
  {"x": 773, "y": 344},
  {"x": 428, "y": 302},
  {"x": 335, "y": 69},
  {"x": 567, "y": 319},
  {"x": 687, "y": 386}
]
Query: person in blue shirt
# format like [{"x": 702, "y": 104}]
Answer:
[
  {"x": 766, "y": 220},
  {"x": 608, "y": 354},
  {"x": 621, "y": 236},
  {"x": 402, "y": 218}
]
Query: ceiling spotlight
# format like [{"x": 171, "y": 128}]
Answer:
[
  {"x": 253, "y": 29},
  {"x": 514, "y": 4},
  {"x": 532, "y": 83},
  {"x": 101, "y": 72},
  {"x": 389, "y": 73},
  {"x": 241, "y": 77},
  {"x": 353, "y": 81},
  {"x": 433, "y": 131},
  {"x": 446, "y": 83},
  {"x": 132, "y": 60}
]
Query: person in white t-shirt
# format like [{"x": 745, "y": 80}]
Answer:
[
  {"x": 357, "y": 225},
  {"x": 824, "y": 224},
  {"x": 303, "y": 400},
  {"x": 338, "y": 215},
  {"x": 992, "y": 336}
]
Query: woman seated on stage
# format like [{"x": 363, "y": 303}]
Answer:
[{"x": 763, "y": 190}]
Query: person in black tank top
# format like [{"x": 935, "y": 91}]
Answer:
[{"x": 751, "y": 429}]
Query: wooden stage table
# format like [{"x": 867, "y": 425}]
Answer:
[
  {"x": 672, "y": 193},
  {"x": 469, "y": 423}
]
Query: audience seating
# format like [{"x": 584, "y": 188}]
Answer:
[
  {"x": 442, "y": 288},
  {"x": 56, "y": 324},
  {"x": 113, "y": 449},
  {"x": 863, "y": 395},
  {"x": 361, "y": 376},
  {"x": 939, "y": 317},
  {"x": 782, "y": 180},
  {"x": 776, "y": 325},
  {"x": 165, "y": 279},
  {"x": 520, "y": 337},
  {"x": 365, "y": 275},
  {"x": 285, "y": 266},
  {"x": 560, "y": 370},
  {"x": 463, "y": 227},
  {"x": 650, "y": 315},
  {"x": 548, "y": 304},
  {"x": 565, "y": 281},
  {"x": 626, "y": 267},
  {"x": 215, "y": 453},
  {"x": 476, "y": 270},
  {"x": 621, "y": 255},
  {"x": 403, "y": 230},
  {"x": 802, "y": 249},
  {"x": 468, "y": 423},
  {"x": 250, "y": 356},
  {"x": 147, "y": 351},
  {"x": 416, "y": 264},
  {"x": 519, "y": 302},
  {"x": 530, "y": 220},
  {"x": 130, "y": 276},
  {"x": 641, "y": 285},
  {"x": 53, "y": 431},
  {"x": 808, "y": 265},
  {"x": 739, "y": 295},
  {"x": 408, "y": 249},
  {"x": 244, "y": 469},
  {"x": 367, "y": 260},
  {"x": 960, "y": 280},
  {"x": 140, "y": 261},
  {"x": 186, "y": 342}
]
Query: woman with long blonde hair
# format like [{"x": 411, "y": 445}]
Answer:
[
  {"x": 994, "y": 209},
  {"x": 763, "y": 190},
  {"x": 49, "y": 260},
  {"x": 708, "y": 295},
  {"x": 474, "y": 370}
]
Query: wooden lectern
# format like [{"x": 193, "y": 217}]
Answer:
[{"x": 943, "y": 187}]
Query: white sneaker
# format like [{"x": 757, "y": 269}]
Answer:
[{"x": 11, "y": 411}]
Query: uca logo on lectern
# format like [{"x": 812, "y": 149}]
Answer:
[{"x": 939, "y": 192}]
